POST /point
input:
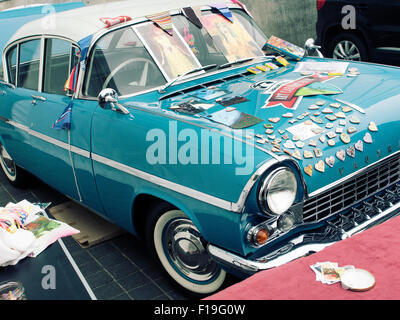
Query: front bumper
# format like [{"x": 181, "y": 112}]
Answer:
[{"x": 302, "y": 245}]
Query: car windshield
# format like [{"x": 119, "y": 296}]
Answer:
[{"x": 144, "y": 56}]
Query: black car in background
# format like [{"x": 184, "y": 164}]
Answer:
[{"x": 374, "y": 34}]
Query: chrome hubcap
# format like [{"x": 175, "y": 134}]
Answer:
[
  {"x": 7, "y": 162},
  {"x": 346, "y": 50},
  {"x": 185, "y": 250}
]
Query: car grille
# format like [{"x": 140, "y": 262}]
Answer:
[{"x": 352, "y": 191}]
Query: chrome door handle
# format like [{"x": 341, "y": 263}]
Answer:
[{"x": 38, "y": 98}]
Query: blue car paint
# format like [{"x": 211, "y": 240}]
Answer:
[{"x": 122, "y": 138}]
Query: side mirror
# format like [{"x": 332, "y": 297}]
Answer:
[
  {"x": 311, "y": 48},
  {"x": 110, "y": 96}
]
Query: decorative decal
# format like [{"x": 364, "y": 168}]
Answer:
[{"x": 290, "y": 94}]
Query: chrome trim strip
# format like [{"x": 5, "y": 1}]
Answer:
[
  {"x": 251, "y": 267},
  {"x": 226, "y": 205},
  {"x": 48, "y": 139},
  {"x": 316, "y": 192}
]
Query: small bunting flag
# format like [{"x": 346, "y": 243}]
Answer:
[
  {"x": 224, "y": 10},
  {"x": 163, "y": 20},
  {"x": 64, "y": 120},
  {"x": 192, "y": 16}
]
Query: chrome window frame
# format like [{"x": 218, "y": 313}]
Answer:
[{"x": 18, "y": 43}]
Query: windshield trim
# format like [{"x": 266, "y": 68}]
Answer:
[{"x": 82, "y": 78}]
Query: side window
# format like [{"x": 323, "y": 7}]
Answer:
[
  {"x": 29, "y": 65},
  {"x": 120, "y": 61},
  {"x": 57, "y": 65},
  {"x": 12, "y": 64}
]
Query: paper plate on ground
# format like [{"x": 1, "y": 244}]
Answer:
[{"x": 357, "y": 280}]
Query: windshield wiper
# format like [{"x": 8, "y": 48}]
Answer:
[
  {"x": 230, "y": 64},
  {"x": 171, "y": 82}
]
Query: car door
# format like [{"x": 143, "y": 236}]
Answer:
[
  {"x": 61, "y": 157},
  {"x": 120, "y": 62}
]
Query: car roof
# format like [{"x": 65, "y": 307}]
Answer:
[
  {"x": 12, "y": 19},
  {"x": 79, "y": 23}
]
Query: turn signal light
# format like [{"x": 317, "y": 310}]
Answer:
[{"x": 261, "y": 236}]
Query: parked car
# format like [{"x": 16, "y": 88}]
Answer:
[
  {"x": 373, "y": 35},
  {"x": 185, "y": 134}
]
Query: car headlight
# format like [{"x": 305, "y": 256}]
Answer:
[{"x": 278, "y": 191}]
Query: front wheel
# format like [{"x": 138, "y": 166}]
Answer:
[{"x": 180, "y": 248}]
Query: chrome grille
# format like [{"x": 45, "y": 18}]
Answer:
[{"x": 354, "y": 190}]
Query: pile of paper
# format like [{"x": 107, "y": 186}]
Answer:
[
  {"x": 25, "y": 230},
  {"x": 328, "y": 272}
]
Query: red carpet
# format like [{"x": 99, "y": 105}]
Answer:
[{"x": 376, "y": 250}]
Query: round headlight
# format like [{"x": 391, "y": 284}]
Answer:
[{"x": 278, "y": 191}]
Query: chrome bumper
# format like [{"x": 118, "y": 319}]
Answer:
[{"x": 294, "y": 249}]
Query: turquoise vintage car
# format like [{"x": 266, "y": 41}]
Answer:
[{"x": 173, "y": 120}]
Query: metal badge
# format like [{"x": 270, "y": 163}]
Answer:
[
  {"x": 330, "y": 117},
  {"x": 318, "y": 153},
  {"x": 331, "y": 143},
  {"x": 308, "y": 170},
  {"x": 341, "y": 155},
  {"x": 300, "y": 144},
  {"x": 368, "y": 138},
  {"x": 330, "y": 161},
  {"x": 354, "y": 119},
  {"x": 296, "y": 154},
  {"x": 329, "y": 125},
  {"x": 351, "y": 152},
  {"x": 372, "y": 127},
  {"x": 331, "y": 135},
  {"x": 289, "y": 144},
  {"x": 308, "y": 154},
  {"x": 320, "y": 166},
  {"x": 335, "y": 105},
  {"x": 327, "y": 110},
  {"x": 288, "y": 115},
  {"x": 340, "y": 114},
  {"x": 345, "y": 138},
  {"x": 346, "y": 109},
  {"x": 359, "y": 146},
  {"x": 312, "y": 143},
  {"x": 274, "y": 120},
  {"x": 351, "y": 130}
]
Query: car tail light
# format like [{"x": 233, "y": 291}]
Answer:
[{"x": 320, "y": 4}]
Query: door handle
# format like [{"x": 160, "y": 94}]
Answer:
[{"x": 38, "y": 98}]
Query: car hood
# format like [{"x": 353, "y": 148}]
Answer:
[{"x": 293, "y": 106}]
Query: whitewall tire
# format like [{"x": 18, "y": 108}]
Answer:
[{"x": 179, "y": 247}]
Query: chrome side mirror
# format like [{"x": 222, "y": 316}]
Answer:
[
  {"x": 311, "y": 48},
  {"x": 109, "y": 96}
]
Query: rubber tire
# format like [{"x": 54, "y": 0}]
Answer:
[
  {"x": 359, "y": 43},
  {"x": 21, "y": 177},
  {"x": 160, "y": 214}
]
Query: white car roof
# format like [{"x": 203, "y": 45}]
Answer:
[{"x": 78, "y": 23}]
